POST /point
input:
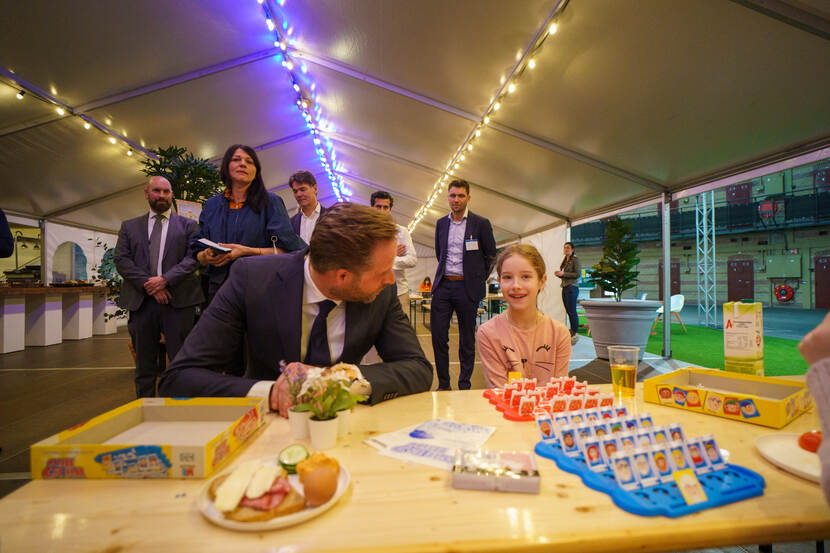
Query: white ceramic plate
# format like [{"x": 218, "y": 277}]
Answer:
[
  {"x": 783, "y": 450},
  {"x": 212, "y": 514}
]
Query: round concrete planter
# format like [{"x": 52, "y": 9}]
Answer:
[{"x": 624, "y": 323}]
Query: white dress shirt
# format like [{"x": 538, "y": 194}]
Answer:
[
  {"x": 151, "y": 221},
  {"x": 455, "y": 246},
  {"x": 307, "y": 224},
  {"x": 406, "y": 261},
  {"x": 335, "y": 326}
]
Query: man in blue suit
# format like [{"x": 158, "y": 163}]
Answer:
[
  {"x": 328, "y": 303},
  {"x": 466, "y": 249}
]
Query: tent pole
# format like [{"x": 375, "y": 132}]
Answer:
[{"x": 667, "y": 275}]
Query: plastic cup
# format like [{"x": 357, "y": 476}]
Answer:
[{"x": 623, "y": 361}]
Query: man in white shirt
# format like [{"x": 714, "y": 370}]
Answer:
[
  {"x": 160, "y": 288},
  {"x": 406, "y": 257},
  {"x": 304, "y": 186}
]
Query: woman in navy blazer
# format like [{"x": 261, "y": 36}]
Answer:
[{"x": 245, "y": 218}]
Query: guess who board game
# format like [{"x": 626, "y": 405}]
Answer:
[{"x": 521, "y": 398}]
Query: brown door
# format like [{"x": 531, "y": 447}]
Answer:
[
  {"x": 741, "y": 279},
  {"x": 675, "y": 278},
  {"x": 822, "y": 281}
]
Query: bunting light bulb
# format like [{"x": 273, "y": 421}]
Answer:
[
  {"x": 469, "y": 147},
  {"x": 129, "y": 152},
  {"x": 112, "y": 140},
  {"x": 497, "y": 106},
  {"x": 60, "y": 111},
  {"x": 270, "y": 24},
  {"x": 552, "y": 29},
  {"x": 283, "y": 46},
  {"x": 478, "y": 132},
  {"x": 455, "y": 166},
  {"x": 87, "y": 126},
  {"x": 289, "y": 65},
  {"x": 486, "y": 119},
  {"x": 20, "y": 94},
  {"x": 511, "y": 89},
  {"x": 462, "y": 157}
]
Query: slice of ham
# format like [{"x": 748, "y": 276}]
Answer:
[{"x": 272, "y": 498}]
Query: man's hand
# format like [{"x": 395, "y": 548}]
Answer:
[
  {"x": 155, "y": 284},
  {"x": 401, "y": 250},
  {"x": 816, "y": 345},
  {"x": 162, "y": 296},
  {"x": 280, "y": 399}
]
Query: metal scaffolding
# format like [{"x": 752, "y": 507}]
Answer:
[{"x": 707, "y": 303}]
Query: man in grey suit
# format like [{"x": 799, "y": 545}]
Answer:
[
  {"x": 314, "y": 307},
  {"x": 160, "y": 288}
]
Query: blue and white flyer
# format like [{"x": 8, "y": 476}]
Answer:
[{"x": 432, "y": 442}]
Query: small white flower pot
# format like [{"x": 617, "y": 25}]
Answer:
[
  {"x": 344, "y": 418},
  {"x": 298, "y": 421},
  {"x": 323, "y": 433}
]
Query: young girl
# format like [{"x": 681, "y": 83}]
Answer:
[{"x": 522, "y": 339}]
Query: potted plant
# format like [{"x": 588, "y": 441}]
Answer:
[
  {"x": 325, "y": 393},
  {"x": 297, "y": 416},
  {"x": 105, "y": 274},
  {"x": 615, "y": 321},
  {"x": 192, "y": 178}
]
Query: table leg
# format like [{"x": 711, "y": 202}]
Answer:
[
  {"x": 12, "y": 323},
  {"x": 77, "y": 316},
  {"x": 44, "y": 320}
]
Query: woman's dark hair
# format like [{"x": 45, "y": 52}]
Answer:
[
  {"x": 427, "y": 280},
  {"x": 565, "y": 258},
  {"x": 256, "y": 196},
  {"x": 571, "y": 244}
]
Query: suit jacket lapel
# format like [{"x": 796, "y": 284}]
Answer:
[
  {"x": 143, "y": 246},
  {"x": 288, "y": 285},
  {"x": 170, "y": 241}
]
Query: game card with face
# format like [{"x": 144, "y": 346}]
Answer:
[
  {"x": 676, "y": 432},
  {"x": 577, "y": 417},
  {"x": 569, "y": 440},
  {"x": 624, "y": 473},
  {"x": 710, "y": 447},
  {"x": 631, "y": 423},
  {"x": 644, "y": 438},
  {"x": 646, "y": 472},
  {"x": 660, "y": 434},
  {"x": 697, "y": 454},
  {"x": 607, "y": 413},
  {"x": 679, "y": 455},
  {"x": 645, "y": 420},
  {"x": 593, "y": 454},
  {"x": 628, "y": 441},
  {"x": 585, "y": 430},
  {"x": 609, "y": 445},
  {"x": 592, "y": 415},
  {"x": 545, "y": 425},
  {"x": 617, "y": 425},
  {"x": 662, "y": 463},
  {"x": 601, "y": 429},
  {"x": 620, "y": 410}
]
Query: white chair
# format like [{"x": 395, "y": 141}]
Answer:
[
  {"x": 676, "y": 305},
  {"x": 642, "y": 296}
]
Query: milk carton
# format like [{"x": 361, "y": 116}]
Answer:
[{"x": 743, "y": 337}]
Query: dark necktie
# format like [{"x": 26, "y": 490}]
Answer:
[
  {"x": 317, "y": 353},
  {"x": 155, "y": 244}
]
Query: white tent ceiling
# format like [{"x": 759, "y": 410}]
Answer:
[{"x": 627, "y": 100}]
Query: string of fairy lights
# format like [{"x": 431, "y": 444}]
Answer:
[
  {"x": 306, "y": 95},
  {"x": 27, "y": 91},
  {"x": 509, "y": 85}
]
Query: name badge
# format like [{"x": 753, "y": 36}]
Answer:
[{"x": 472, "y": 245}]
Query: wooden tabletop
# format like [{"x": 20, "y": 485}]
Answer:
[
  {"x": 42, "y": 290},
  {"x": 400, "y": 507}
]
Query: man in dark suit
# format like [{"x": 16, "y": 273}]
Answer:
[
  {"x": 466, "y": 249},
  {"x": 160, "y": 288},
  {"x": 304, "y": 186},
  {"x": 328, "y": 303}
]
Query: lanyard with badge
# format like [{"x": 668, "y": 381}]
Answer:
[{"x": 471, "y": 244}]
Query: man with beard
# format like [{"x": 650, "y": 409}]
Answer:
[
  {"x": 160, "y": 288},
  {"x": 325, "y": 304}
]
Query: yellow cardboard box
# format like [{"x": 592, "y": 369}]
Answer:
[
  {"x": 760, "y": 400},
  {"x": 743, "y": 337},
  {"x": 151, "y": 438}
]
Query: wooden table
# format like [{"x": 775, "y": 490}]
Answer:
[{"x": 394, "y": 506}]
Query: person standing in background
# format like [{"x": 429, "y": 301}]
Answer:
[
  {"x": 6, "y": 238},
  {"x": 406, "y": 257},
  {"x": 160, "y": 287},
  {"x": 304, "y": 186},
  {"x": 569, "y": 272},
  {"x": 245, "y": 218},
  {"x": 466, "y": 249}
]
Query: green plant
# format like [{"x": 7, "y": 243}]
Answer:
[
  {"x": 615, "y": 271},
  {"x": 194, "y": 179},
  {"x": 105, "y": 274},
  {"x": 324, "y": 393}
]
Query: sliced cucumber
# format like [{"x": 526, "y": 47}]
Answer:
[{"x": 290, "y": 456}]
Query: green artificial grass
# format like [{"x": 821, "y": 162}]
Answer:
[{"x": 704, "y": 346}]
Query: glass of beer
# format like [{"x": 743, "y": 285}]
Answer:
[{"x": 624, "y": 361}]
